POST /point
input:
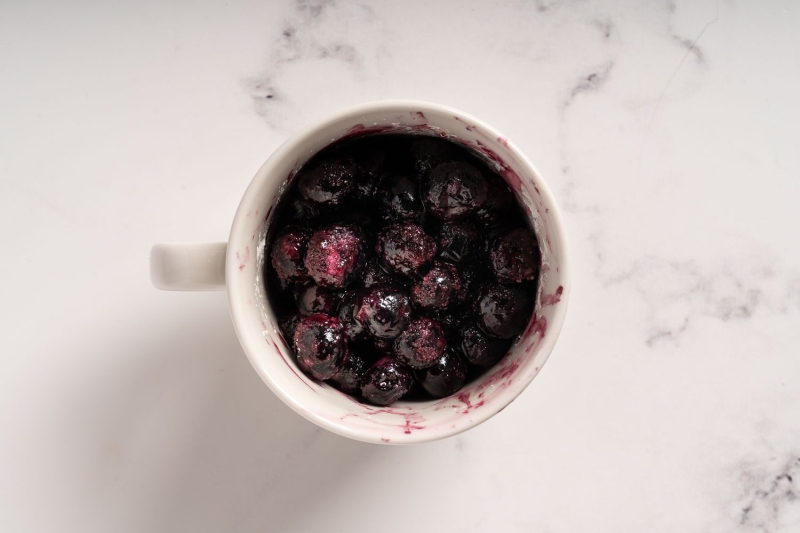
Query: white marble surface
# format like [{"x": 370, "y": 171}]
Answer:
[{"x": 668, "y": 132}]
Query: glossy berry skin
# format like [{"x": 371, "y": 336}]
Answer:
[
  {"x": 515, "y": 257},
  {"x": 384, "y": 311},
  {"x": 445, "y": 377},
  {"x": 481, "y": 350},
  {"x": 348, "y": 378},
  {"x": 454, "y": 190},
  {"x": 405, "y": 248},
  {"x": 335, "y": 255},
  {"x": 372, "y": 274},
  {"x": 438, "y": 288},
  {"x": 330, "y": 182},
  {"x": 346, "y": 313},
  {"x": 386, "y": 381},
  {"x": 420, "y": 344},
  {"x": 499, "y": 205},
  {"x": 398, "y": 199},
  {"x": 503, "y": 310},
  {"x": 320, "y": 344},
  {"x": 313, "y": 299},
  {"x": 459, "y": 241},
  {"x": 287, "y": 254}
]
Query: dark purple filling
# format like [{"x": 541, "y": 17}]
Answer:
[{"x": 400, "y": 267}]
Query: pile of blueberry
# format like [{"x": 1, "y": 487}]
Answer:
[{"x": 400, "y": 266}]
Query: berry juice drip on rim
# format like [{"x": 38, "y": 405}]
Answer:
[{"x": 400, "y": 267}]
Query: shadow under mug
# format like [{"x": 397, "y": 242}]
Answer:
[{"x": 237, "y": 266}]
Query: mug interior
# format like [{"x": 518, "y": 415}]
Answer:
[{"x": 403, "y": 422}]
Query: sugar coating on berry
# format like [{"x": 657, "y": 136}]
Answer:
[
  {"x": 481, "y": 350},
  {"x": 386, "y": 381},
  {"x": 330, "y": 182},
  {"x": 445, "y": 377},
  {"x": 515, "y": 257},
  {"x": 348, "y": 378},
  {"x": 398, "y": 199},
  {"x": 454, "y": 190},
  {"x": 335, "y": 254},
  {"x": 438, "y": 288},
  {"x": 287, "y": 254},
  {"x": 384, "y": 311},
  {"x": 503, "y": 310},
  {"x": 421, "y": 344},
  {"x": 320, "y": 345},
  {"x": 405, "y": 248},
  {"x": 313, "y": 299}
]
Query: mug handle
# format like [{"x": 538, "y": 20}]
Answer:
[{"x": 188, "y": 266}]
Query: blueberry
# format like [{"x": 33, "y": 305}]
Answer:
[
  {"x": 373, "y": 274},
  {"x": 421, "y": 344},
  {"x": 438, "y": 288},
  {"x": 503, "y": 310},
  {"x": 458, "y": 241},
  {"x": 348, "y": 378},
  {"x": 383, "y": 346},
  {"x": 454, "y": 190},
  {"x": 320, "y": 345},
  {"x": 398, "y": 199},
  {"x": 427, "y": 152},
  {"x": 385, "y": 382},
  {"x": 347, "y": 311},
  {"x": 515, "y": 257},
  {"x": 405, "y": 247},
  {"x": 313, "y": 299},
  {"x": 499, "y": 205},
  {"x": 287, "y": 254},
  {"x": 384, "y": 310},
  {"x": 330, "y": 182},
  {"x": 472, "y": 275},
  {"x": 446, "y": 376},
  {"x": 335, "y": 255},
  {"x": 300, "y": 210},
  {"x": 480, "y": 350}
]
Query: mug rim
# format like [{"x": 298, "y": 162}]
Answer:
[{"x": 237, "y": 297}]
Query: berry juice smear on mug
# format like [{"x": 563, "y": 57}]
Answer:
[{"x": 400, "y": 266}]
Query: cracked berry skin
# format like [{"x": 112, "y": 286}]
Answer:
[
  {"x": 445, "y": 377},
  {"x": 372, "y": 274},
  {"x": 454, "y": 190},
  {"x": 335, "y": 255},
  {"x": 459, "y": 241},
  {"x": 429, "y": 152},
  {"x": 330, "y": 182},
  {"x": 386, "y": 381},
  {"x": 438, "y": 288},
  {"x": 313, "y": 299},
  {"x": 288, "y": 252},
  {"x": 503, "y": 310},
  {"x": 420, "y": 344},
  {"x": 320, "y": 344},
  {"x": 481, "y": 350},
  {"x": 384, "y": 311},
  {"x": 348, "y": 378},
  {"x": 398, "y": 199},
  {"x": 405, "y": 248},
  {"x": 515, "y": 257},
  {"x": 346, "y": 314}
]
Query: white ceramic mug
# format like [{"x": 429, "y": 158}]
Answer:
[{"x": 238, "y": 267}]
